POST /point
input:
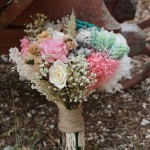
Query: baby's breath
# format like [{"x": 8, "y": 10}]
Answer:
[
  {"x": 35, "y": 28},
  {"x": 79, "y": 79}
]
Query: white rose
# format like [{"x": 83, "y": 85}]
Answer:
[{"x": 58, "y": 74}]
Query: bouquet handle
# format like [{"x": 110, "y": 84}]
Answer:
[{"x": 71, "y": 124}]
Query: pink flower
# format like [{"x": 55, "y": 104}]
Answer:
[
  {"x": 25, "y": 43},
  {"x": 53, "y": 49},
  {"x": 103, "y": 66}
]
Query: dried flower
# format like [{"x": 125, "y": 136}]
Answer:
[
  {"x": 70, "y": 42},
  {"x": 53, "y": 49},
  {"x": 34, "y": 49},
  {"x": 70, "y": 26},
  {"x": 67, "y": 65},
  {"x": 44, "y": 34},
  {"x": 103, "y": 66},
  {"x": 35, "y": 28}
]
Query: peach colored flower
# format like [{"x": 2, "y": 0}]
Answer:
[{"x": 44, "y": 34}]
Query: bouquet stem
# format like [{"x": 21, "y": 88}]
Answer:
[
  {"x": 77, "y": 146},
  {"x": 71, "y": 124},
  {"x": 69, "y": 141}
]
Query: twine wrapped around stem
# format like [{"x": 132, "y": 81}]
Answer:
[{"x": 70, "y": 122}]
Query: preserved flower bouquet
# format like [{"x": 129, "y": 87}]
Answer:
[{"x": 68, "y": 60}]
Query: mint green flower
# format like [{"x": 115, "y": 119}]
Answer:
[
  {"x": 118, "y": 51},
  {"x": 115, "y": 43},
  {"x": 102, "y": 40}
]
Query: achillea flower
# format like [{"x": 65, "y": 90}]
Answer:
[
  {"x": 44, "y": 34},
  {"x": 34, "y": 49},
  {"x": 53, "y": 49},
  {"x": 120, "y": 47},
  {"x": 70, "y": 42},
  {"x": 103, "y": 66},
  {"x": 25, "y": 43},
  {"x": 102, "y": 39},
  {"x": 37, "y": 59}
]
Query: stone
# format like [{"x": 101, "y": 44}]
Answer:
[
  {"x": 145, "y": 122},
  {"x": 109, "y": 106},
  {"x": 51, "y": 126},
  {"x": 90, "y": 138},
  {"x": 99, "y": 122},
  {"x": 102, "y": 140},
  {"x": 8, "y": 148},
  {"x": 135, "y": 38},
  {"x": 29, "y": 115},
  {"x": 144, "y": 105},
  {"x": 122, "y": 10}
]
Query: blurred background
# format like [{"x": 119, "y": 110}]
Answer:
[{"x": 118, "y": 121}]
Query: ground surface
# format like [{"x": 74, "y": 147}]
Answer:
[{"x": 113, "y": 122}]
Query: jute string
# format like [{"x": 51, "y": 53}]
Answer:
[{"x": 71, "y": 121}]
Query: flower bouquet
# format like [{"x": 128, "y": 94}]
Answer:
[{"x": 68, "y": 60}]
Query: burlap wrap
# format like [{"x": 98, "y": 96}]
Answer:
[{"x": 71, "y": 121}]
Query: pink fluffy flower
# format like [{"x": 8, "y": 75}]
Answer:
[
  {"x": 25, "y": 43},
  {"x": 103, "y": 66},
  {"x": 53, "y": 49}
]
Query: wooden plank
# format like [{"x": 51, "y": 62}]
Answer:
[
  {"x": 4, "y": 4},
  {"x": 93, "y": 11},
  {"x": 87, "y": 10},
  {"x": 111, "y": 5},
  {"x": 124, "y": 9},
  {"x": 146, "y": 51},
  {"x": 13, "y": 10},
  {"x": 10, "y": 38},
  {"x": 145, "y": 24},
  {"x": 135, "y": 38},
  {"x": 138, "y": 78}
]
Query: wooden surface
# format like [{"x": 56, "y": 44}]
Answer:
[
  {"x": 13, "y": 10},
  {"x": 4, "y": 4},
  {"x": 122, "y": 10},
  {"x": 19, "y": 11},
  {"x": 145, "y": 24},
  {"x": 93, "y": 11},
  {"x": 111, "y": 5},
  {"x": 9, "y": 38},
  {"x": 137, "y": 78}
]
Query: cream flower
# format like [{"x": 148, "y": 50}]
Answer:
[{"x": 58, "y": 74}]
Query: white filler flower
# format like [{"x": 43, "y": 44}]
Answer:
[{"x": 58, "y": 74}]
